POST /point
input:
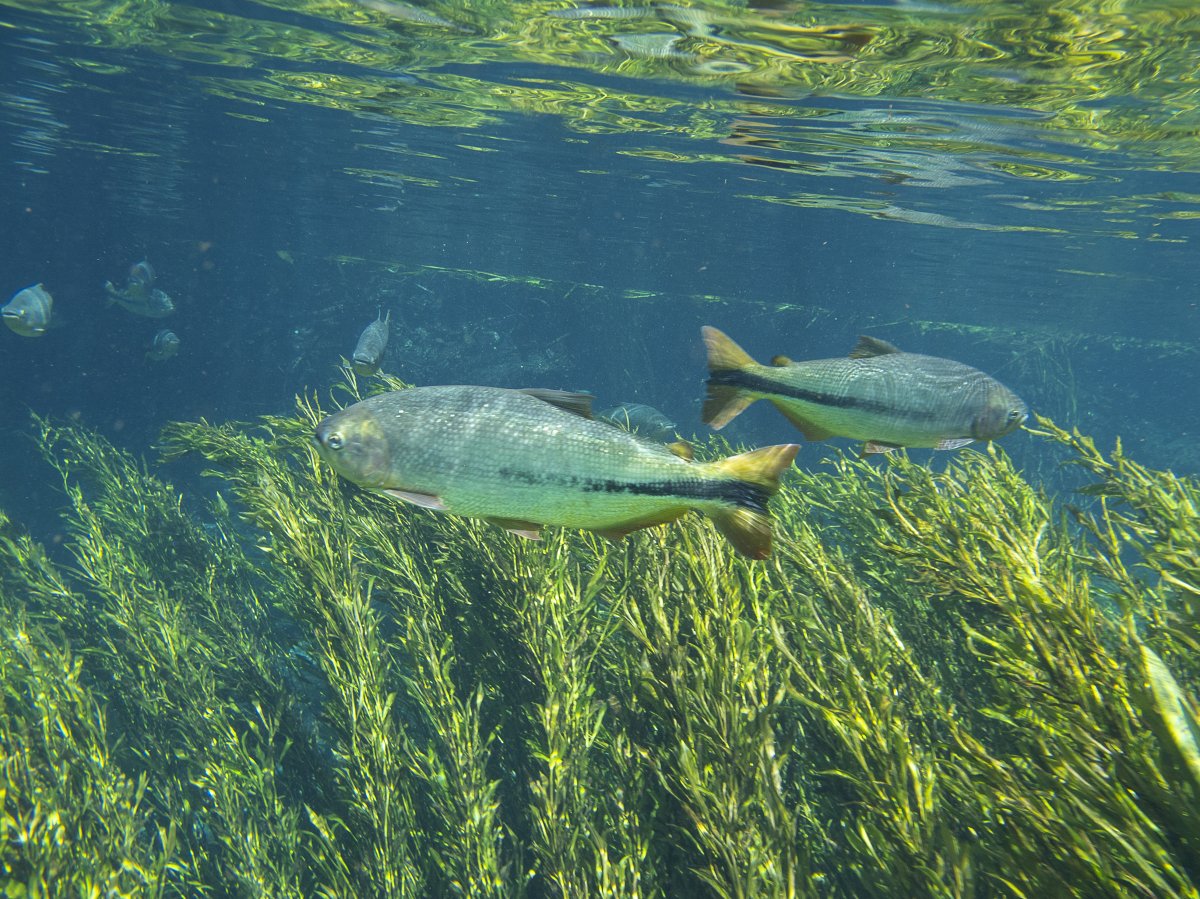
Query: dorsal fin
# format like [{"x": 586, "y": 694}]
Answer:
[
  {"x": 578, "y": 403},
  {"x": 872, "y": 346},
  {"x": 682, "y": 449},
  {"x": 780, "y": 361}
]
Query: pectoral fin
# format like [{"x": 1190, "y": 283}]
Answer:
[{"x": 424, "y": 500}]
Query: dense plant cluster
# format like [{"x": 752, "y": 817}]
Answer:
[{"x": 941, "y": 684}]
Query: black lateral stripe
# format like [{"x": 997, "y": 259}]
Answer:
[
  {"x": 736, "y": 493},
  {"x": 759, "y": 384}
]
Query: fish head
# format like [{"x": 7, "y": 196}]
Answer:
[
  {"x": 355, "y": 446},
  {"x": 1003, "y": 413},
  {"x": 22, "y": 319},
  {"x": 364, "y": 364}
]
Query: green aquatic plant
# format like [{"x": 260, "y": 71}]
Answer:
[{"x": 943, "y": 683}]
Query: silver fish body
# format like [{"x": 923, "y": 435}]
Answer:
[
  {"x": 29, "y": 312},
  {"x": 140, "y": 300},
  {"x": 522, "y": 461},
  {"x": 371, "y": 344},
  {"x": 879, "y": 394}
]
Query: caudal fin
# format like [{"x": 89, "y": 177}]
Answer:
[
  {"x": 747, "y": 524},
  {"x": 723, "y": 399}
]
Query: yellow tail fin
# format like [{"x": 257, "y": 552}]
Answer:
[
  {"x": 723, "y": 401},
  {"x": 761, "y": 467},
  {"x": 748, "y": 526},
  {"x": 723, "y": 353}
]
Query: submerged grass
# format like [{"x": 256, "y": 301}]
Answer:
[{"x": 941, "y": 684}]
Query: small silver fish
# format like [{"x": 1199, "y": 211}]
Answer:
[
  {"x": 638, "y": 418},
  {"x": 164, "y": 345},
  {"x": 29, "y": 312},
  {"x": 371, "y": 344},
  {"x": 150, "y": 303}
]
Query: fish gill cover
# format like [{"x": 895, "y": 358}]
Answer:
[{"x": 941, "y": 684}]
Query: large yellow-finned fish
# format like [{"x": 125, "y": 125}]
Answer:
[
  {"x": 878, "y": 394},
  {"x": 523, "y": 459}
]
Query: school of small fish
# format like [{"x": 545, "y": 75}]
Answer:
[
  {"x": 30, "y": 312},
  {"x": 525, "y": 459}
]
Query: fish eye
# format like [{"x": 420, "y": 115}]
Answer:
[{"x": 335, "y": 441}]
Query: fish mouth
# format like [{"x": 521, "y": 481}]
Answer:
[{"x": 7, "y": 314}]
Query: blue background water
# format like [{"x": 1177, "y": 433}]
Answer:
[{"x": 278, "y": 250}]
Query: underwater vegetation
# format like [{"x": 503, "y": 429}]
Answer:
[{"x": 942, "y": 683}]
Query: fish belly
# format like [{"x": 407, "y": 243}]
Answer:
[{"x": 561, "y": 507}]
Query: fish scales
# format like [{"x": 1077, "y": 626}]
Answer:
[
  {"x": 510, "y": 456},
  {"x": 910, "y": 398},
  {"x": 879, "y": 394},
  {"x": 500, "y": 452}
]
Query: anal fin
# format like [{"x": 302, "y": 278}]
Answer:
[{"x": 624, "y": 529}]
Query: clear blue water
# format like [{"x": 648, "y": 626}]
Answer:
[{"x": 539, "y": 202}]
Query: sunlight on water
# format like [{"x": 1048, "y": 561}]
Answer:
[{"x": 1020, "y": 92}]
